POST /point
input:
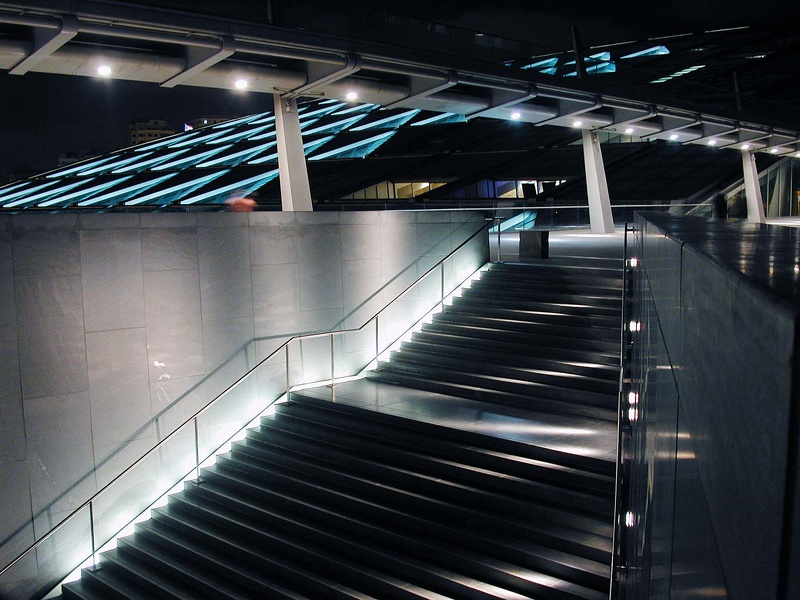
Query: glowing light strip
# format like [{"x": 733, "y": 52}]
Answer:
[
  {"x": 249, "y": 152},
  {"x": 167, "y": 140},
  {"x": 245, "y": 185},
  {"x": 19, "y": 193},
  {"x": 192, "y": 157},
  {"x": 80, "y": 167},
  {"x": 353, "y": 146},
  {"x": 408, "y": 115},
  {"x": 209, "y": 135},
  {"x": 45, "y": 194},
  {"x": 238, "y": 135},
  {"x": 241, "y": 120},
  {"x": 157, "y": 160},
  {"x": 307, "y": 147},
  {"x": 196, "y": 183},
  {"x": 343, "y": 124},
  {"x": 79, "y": 193},
  {"x": 128, "y": 190},
  {"x": 110, "y": 167}
]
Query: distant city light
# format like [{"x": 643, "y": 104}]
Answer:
[
  {"x": 351, "y": 95},
  {"x": 104, "y": 70},
  {"x": 241, "y": 84},
  {"x": 515, "y": 116}
]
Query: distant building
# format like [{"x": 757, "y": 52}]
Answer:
[
  {"x": 145, "y": 131},
  {"x": 204, "y": 122},
  {"x": 68, "y": 158}
]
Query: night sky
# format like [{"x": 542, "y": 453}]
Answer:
[{"x": 46, "y": 115}]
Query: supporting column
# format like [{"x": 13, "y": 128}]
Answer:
[
  {"x": 600, "y": 217},
  {"x": 295, "y": 191},
  {"x": 752, "y": 190}
]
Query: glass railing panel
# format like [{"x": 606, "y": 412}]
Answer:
[
  {"x": 400, "y": 315},
  {"x": 358, "y": 349},
  {"x": 41, "y": 569},
  {"x": 136, "y": 489},
  {"x": 310, "y": 359}
]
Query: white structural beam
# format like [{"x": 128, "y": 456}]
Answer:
[
  {"x": 295, "y": 190},
  {"x": 200, "y": 59},
  {"x": 752, "y": 190},
  {"x": 600, "y": 217},
  {"x": 47, "y": 41}
]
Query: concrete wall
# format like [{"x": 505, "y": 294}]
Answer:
[
  {"x": 107, "y": 319},
  {"x": 715, "y": 443}
]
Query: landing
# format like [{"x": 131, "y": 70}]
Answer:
[{"x": 572, "y": 434}]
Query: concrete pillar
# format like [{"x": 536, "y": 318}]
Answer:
[
  {"x": 752, "y": 190},
  {"x": 295, "y": 191},
  {"x": 600, "y": 217}
]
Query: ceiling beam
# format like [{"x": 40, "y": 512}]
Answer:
[{"x": 47, "y": 41}]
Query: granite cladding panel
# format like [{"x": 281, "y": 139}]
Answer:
[
  {"x": 319, "y": 267},
  {"x": 12, "y": 423},
  {"x": 225, "y": 283},
  {"x": 52, "y": 339},
  {"x": 173, "y": 249},
  {"x": 119, "y": 389},
  {"x": 111, "y": 274},
  {"x": 46, "y": 253}
]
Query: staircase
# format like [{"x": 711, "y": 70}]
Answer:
[
  {"x": 543, "y": 337},
  {"x": 331, "y": 500}
]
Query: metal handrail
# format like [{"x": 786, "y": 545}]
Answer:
[
  {"x": 179, "y": 428},
  {"x": 617, "y": 522}
]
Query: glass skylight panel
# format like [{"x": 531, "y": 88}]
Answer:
[
  {"x": 335, "y": 126},
  {"x": 181, "y": 137},
  {"x": 269, "y": 119},
  {"x": 10, "y": 195},
  {"x": 108, "y": 167},
  {"x": 357, "y": 108},
  {"x": 231, "y": 160},
  {"x": 191, "y": 159},
  {"x": 123, "y": 194},
  {"x": 177, "y": 191},
  {"x": 138, "y": 167},
  {"x": 306, "y": 112},
  {"x": 441, "y": 118},
  {"x": 542, "y": 64},
  {"x": 653, "y": 51},
  {"x": 83, "y": 193},
  {"x": 241, "y": 120},
  {"x": 240, "y": 135},
  {"x": 264, "y": 136},
  {"x": 7, "y": 189},
  {"x": 391, "y": 122},
  {"x": 80, "y": 167},
  {"x": 356, "y": 149},
  {"x": 308, "y": 147},
  {"x": 206, "y": 136},
  {"x": 242, "y": 187},
  {"x": 44, "y": 195}
]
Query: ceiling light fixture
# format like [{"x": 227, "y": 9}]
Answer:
[
  {"x": 774, "y": 151},
  {"x": 241, "y": 84},
  {"x": 629, "y": 130},
  {"x": 712, "y": 142},
  {"x": 673, "y": 137},
  {"x": 577, "y": 123},
  {"x": 515, "y": 116},
  {"x": 745, "y": 146},
  {"x": 351, "y": 95},
  {"x": 104, "y": 70}
]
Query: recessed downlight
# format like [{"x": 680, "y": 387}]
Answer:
[
  {"x": 577, "y": 123},
  {"x": 516, "y": 116},
  {"x": 673, "y": 137},
  {"x": 745, "y": 146},
  {"x": 351, "y": 95},
  {"x": 712, "y": 142},
  {"x": 241, "y": 84},
  {"x": 774, "y": 151},
  {"x": 104, "y": 70}
]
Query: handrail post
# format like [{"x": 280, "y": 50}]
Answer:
[
  {"x": 197, "y": 452},
  {"x": 377, "y": 343},
  {"x": 91, "y": 534},
  {"x": 333, "y": 362},
  {"x": 286, "y": 347},
  {"x": 441, "y": 288}
]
